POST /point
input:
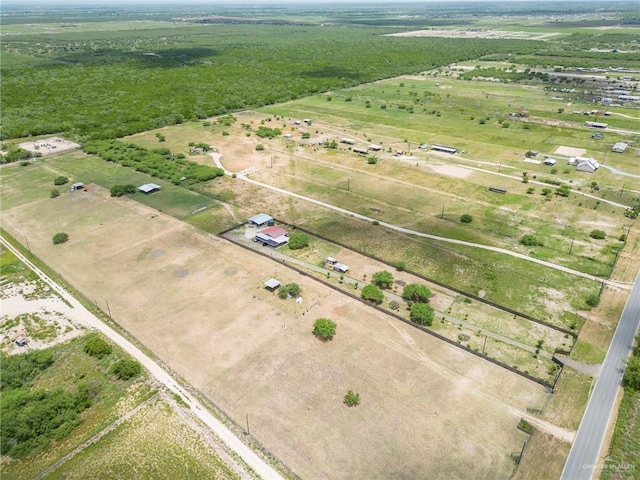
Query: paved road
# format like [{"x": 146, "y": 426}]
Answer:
[
  {"x": 91, "y": 321},
  {"x": 216, "y": 158},
  {"x": 582, "y": 462}
]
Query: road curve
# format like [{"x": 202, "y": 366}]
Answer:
[
  {"x": 582, "y": 463},
  {"x": 91, "y": 321},
  {"x": 241, "y": 176}
]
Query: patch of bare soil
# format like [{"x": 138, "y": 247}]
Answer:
[{"x": 49, "y": 146}]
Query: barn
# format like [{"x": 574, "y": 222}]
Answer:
[{"x": 261, "y": 220}]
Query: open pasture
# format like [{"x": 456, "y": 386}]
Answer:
[{"x": 198, "y": 302}]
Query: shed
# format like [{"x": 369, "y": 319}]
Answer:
[
  {"x": 348, "y": 141},
  {"x": 550, "y": 161},
  {"x": 272, "y": 284},
  {"x": 22, "y": 341},
  {"x": 374, "y": 147},
  {"x": 596, "y": 125},
  {"x": 619, "y": 147},
  {"x": 330, "y": 260},
  {"x": 360, "y": 151},
  {"x": 340, "y": 267},
  {"x": 149, "y": 188},
  {"x": 261, "y": 220},
  {"x": 442, "y": 148},
  {"x": 77, "y": 186}
]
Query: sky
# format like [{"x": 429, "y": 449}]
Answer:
[{"x": 107, "y": 3}]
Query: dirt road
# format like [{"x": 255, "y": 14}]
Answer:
[{"x": 91, "y": 321}]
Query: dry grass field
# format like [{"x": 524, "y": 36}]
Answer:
[{"x": 428, "y": 409}]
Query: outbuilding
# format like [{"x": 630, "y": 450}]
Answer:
[
  {"x": 149, "y": 188},
  {"x": 619, "y": 147},
  {"x": 77, "y": 186},
  {"x": 272, "y": 284},
  {"x": 375, "y": 148},
  {"x": 360, "y": 151},
  {"x": 330, "y": 260},
  {"x": 261, "y": 220},
  {"x": 442, "y": 148},
  {"x": 348, "y": 141},
  {"x": 584, "y": 164},
  {"x": 340, "y": 267}
]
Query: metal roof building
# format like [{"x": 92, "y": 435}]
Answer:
[
  {"x": 149, "y": 188},
  {"x": 261, "y": 220}
]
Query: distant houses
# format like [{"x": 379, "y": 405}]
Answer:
[
  {"x": 584, "y": 164},
  {"x": 596, "y": 125},
  {"x": 619, "y": 147}
]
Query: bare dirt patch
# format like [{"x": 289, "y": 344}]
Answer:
[
  {"x": 570, "y": 151},
  {"x": 253, "y": 354},
  {"x": 49, "y": 146},
  {"x": 454, "y": 171}
]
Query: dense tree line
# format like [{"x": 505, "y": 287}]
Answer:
[
  {"x": 160, "y": 163},
  {"x": 107, "y": 85}
]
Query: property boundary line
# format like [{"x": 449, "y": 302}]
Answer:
[
  {"x": 444, "y": 285},
  {"x": 544, "y": 383}
]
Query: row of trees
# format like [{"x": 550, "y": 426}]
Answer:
[
  {"x": 416, "y": 295},
  {"x": 160, "y": 163}
]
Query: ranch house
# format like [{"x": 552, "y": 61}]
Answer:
[{"x": 272, "y": 236}]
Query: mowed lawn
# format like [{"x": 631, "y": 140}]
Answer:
[{"x": 428, "y": 409}]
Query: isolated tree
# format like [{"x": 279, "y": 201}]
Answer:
[
  {"x": 126, "y": 369},
  {"x": 372, "y": 293},
  {"x": 60, "y": 237},
  {"x": 382, "y": 279},
  {"x": 324, "y": 329},
  {"x": 97, "y": 347},
  {"x": 414, "y": 292},
  {"x": 298, "y": 240},
  {"x": 466, "y": 218},
  {"x": 351, "y": 399},
  {"x": 422, "y": 314},
  {"x": 289, "y": 290}
]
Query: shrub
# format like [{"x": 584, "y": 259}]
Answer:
[
  {"x": 530, "y": 190},
  {"x": 324, "y": 329},
  {"x": 61, "y": 180},
  {"x": 382, "y": 279},
  {"x": 631, "y": 377},
  {"x": 597, "y": 234},
  {"x": 400, "y": 266},
  {"x": 393, "y": 305},
  {"x": 372, "y": 160},
  {"x": 422, "y": 314},
  {"x": 593, "y": 300},
  {"x": 351, "y": 399},
  {"x": 54, "y": 193},
  {"x": 259, "y": 147},
  {"x": 97, "y": 347},
  {"x": 117, "y": 191},
  {"x": 530, "y": 240},
  {"x": 414, "y": 292},
  {"x": 298, "y": 240},
  {"x": 60, "y": 237},
  {"x": 372, "y": 293},
  {"x": 126, "y": 369},
  {"x": 466, "y": 218}
]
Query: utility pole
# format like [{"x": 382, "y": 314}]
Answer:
[
  {"x": 484, "y": 344},
  {"x": 348, "y": 183},
  {"x": 27, "y": 240},
  {"x": 108, "y": 309},
  {"x": 248, "y": 432},
  {"x": 622, "y": 191},
  {"x": 500, "y": 166},
  {"x": 571, "y": 247},
  {"x": 442, "y": 214}
]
